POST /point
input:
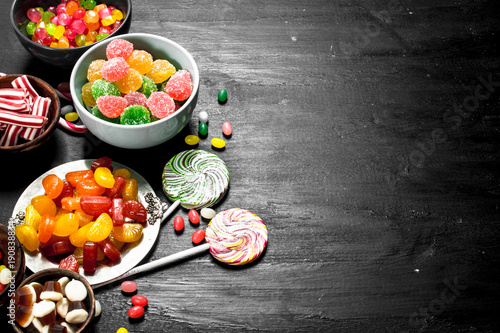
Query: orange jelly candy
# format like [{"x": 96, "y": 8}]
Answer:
[
  {"x": 46, "y": 228},
  {"x": 44, "y": 205},
  {"x": 52, "y": 185},
  {"x": 100, "y": 229}
]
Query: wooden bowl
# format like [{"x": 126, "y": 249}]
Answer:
[
  {"x": 45, "y": 90},
  {"x": 56, "y": 274},
  {"x": 17, "y": 260}
]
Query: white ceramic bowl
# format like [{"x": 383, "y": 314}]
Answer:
[{"x": 137, "y": 136}]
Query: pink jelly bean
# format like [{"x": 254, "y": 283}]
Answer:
[
  {"x": 178, "y": 223},
  {"x": 179, "y": 85},
  {"x": 128, "y": 286},
  {"x": 161, "y": 104},
  {"x": 115, "y": 69},
  {"x": 227, "y": 129}
]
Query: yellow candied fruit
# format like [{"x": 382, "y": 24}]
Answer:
[
  {"x": 130, "y": 190},
  {"x": 122, "y": 173},
  {"x": 31, "y": 217}
]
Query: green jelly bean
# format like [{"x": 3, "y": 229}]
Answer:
[
  {"x": 222, "y": 95},
  {"x": 203, "y": 129}
]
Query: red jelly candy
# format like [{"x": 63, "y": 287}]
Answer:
[
  {"x": 179, "y": 85},
  {"x": 111, "y": 106},
  {"x": 70, "y": 262},
  {"x": 178, "y": 223},
  {"x": 160, "y": 104},
  {"x": 101, "y": 162},
  {"x": 198, "y": 236},
  {"x": 136, "y": 98},
  {"x": 95, "y": 205},
  {"x": 114, "y": 69},
  {"x": 117, "y": 188},
  {"x": 194, "y": 217},
  {"x": 136, "y": 312},
  {"x": 109, "y": 249},
  {"x": 139, "y": 300},
  {"x": 135, "y": 210},
  {"x": 89, "y": 257},
  {"x": 119, "y": 48},
  {"x": 129, "y": 286},
  {"x": 117, "y": 212}
]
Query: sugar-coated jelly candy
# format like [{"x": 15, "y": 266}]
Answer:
[
  {"x": 178, "y": 223},
  {"x": 140, "y": 60},
  {"x": 227, "y": 129},
  {"x": 135, "y": 115},
  {"x": 111, "y": 106},
  {"x": 128, "y": 286},
  {"x": 218, "y": 143},
  {"x": 161, "y": 70},
  {"x": 148, "y": 86},
  {"x": 53, "y": 185},
  {"x": 179, "y": 85},
  {"x": 98, "y": 114},
  {"x": 136, "y": 312},
  {"x": 136, "y": 98},
  {"x": 94, "y": 70},
  {"x": 191, "y": 140},
  {"x": 131, "y": 82},
  {"x": 203, "y": 128},
  {"x": 104, "y": 88},
  {"x": 222, "y": 95},
  {"x": 198, "y": 236},
  {"x": 114, "y": 69},
  {"x": 161, "y": 104},
  {"x": 194, "y": 217},
  {"x": 104, "y": 177},
  {"x": 128, "y": 232},
  {"x": 203, "y": 117},
  {"x": 87, "y": 97}
]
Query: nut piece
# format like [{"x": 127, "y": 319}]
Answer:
[
  {"x": 76, "y": 291},
  {"x": 52, "y": 291},
  {"x": 77, "y": 313}
]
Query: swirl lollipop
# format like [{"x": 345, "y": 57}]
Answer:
[
  {"x": 195, "y": 179},
  {"x": 235, "y": 236}
]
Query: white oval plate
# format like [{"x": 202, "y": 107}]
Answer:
[{"x": 132, "y": 253}]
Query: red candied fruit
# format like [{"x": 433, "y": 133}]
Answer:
[
  {"x": 161, "y": 104},
  {"x": 136, "y": 98},
  {"x": 111, "y": 106},
  {"x": 114, "y": 69},
  {"x": 179, "y": 86},
  {"x": 119, "y": 48}
]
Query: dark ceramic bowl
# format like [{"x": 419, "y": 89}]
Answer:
[
  {"x": 64, "y": 58},
  {"x": 16, "y": 258},
  {"x": 55, "y": 274},
  {"x": 45, "y": 90}
]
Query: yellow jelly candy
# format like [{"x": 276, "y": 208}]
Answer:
[
  {"x": 104, "y": 177},
  {"x": 140, "y": 60},
  {"x": 122, "y": 173},
  {"x": 87, "y": 97},
  {"x": 161, "y": 70},
  {"x": 131, "y": 82},
  {"x": 130, "y": 190},
  {"x": 27, "y": 236},
  {"x": 32, "y": 218},
  {"x": 191, "y": 140},
  {"x": 66, "y": 225},
  {"x": 94, "y": 70}
]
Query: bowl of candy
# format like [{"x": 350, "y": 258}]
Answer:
[
  {"x": 29, "y": 113},
  {"x": 135, "y": 90},
  {"x": 57, "y": 298},
  {"x": 12, "y": 263},
  {"x": 58, "y": 32}
]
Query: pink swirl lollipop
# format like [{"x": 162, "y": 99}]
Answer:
[{"x": 236, "y": 236}]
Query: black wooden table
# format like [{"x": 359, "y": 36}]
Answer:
[{"x": 366, "y": 136}]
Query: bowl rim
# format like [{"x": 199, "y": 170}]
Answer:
[
  {"x": 195, "y": 83},
  {"x": 52, "y": 125},
  {"x": 72, "y": 275},
  {"x": 57, "y": 50}
]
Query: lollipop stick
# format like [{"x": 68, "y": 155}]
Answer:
[
  {"x": 170, "y": 209},
  {"x": 159, "y": 262}
]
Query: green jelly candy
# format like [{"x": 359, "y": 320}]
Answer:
[
  {"x": 101, "y": 37},
  {"x": 148, "y": 86},
  {"x": 46, "y": 16},
  {"x": 30, "y": 28},
  {"x": 89, "y": 4},
  {"x": 203, "y": 129},
  {"x": 96, "y": 112},
  {"x": 222, "y": 96},
  {"x": 104, "y": 88},
  {"x": 135, "y": 115}
]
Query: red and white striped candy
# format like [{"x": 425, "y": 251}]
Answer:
[
  {"x": 24, "y": 82},
  {"x": 19, "y": 119},
  {"x": 19, "y": 105},
  {"x": 10, "y": 136},
  {"x": 3, "y": 74},
  {"x": 14, "y": 93},
  {"x": 40, "y": 108}
]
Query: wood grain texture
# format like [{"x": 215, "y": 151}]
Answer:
[{"x": 358, "y": 139}]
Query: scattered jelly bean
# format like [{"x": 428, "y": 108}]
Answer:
[
  {"x": 178, "y": 223},
  {"x": 136, "y": 312},
  {"x": 139, "y": 300},
  {"x": 198, "y": 236},
  {"x": 122, "y": 330},
  {"x": 71, "y": 116},
  {"x": 222, "y": 96},
  {"x": 218, "y": 143},
  {"x": 128, "y": 286},
  {"x": 67, "y": 109},
  {"x": 203, "y": 116},
  {"x": 203, "y": 128},
  {"x": 192, "y": 140},
  {"x": 207, "y": 213},
  {"x": 227, "y": 129},
  {"x": 194, "y": 217}
]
